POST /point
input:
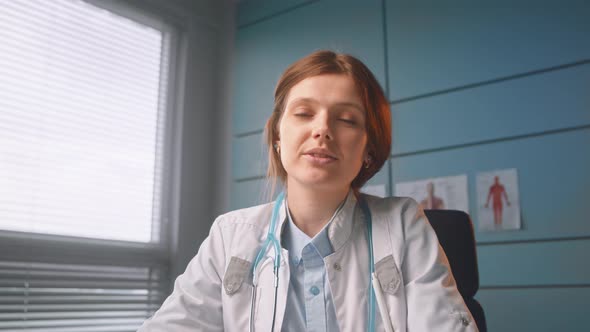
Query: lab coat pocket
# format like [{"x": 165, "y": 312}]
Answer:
[
  {"x": 237, "y": 272},
  {"x": 388, "y": 274},
  {"x": 392, "y": 286}
]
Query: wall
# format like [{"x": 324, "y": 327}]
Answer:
[{"x": 473, "y": 87}]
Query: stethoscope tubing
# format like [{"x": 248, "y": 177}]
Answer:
[
  {"x": 369, "y": 222},
  {"x": 270, "y": 238}
]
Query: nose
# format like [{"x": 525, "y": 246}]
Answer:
[{"x": 321, "y": 128}]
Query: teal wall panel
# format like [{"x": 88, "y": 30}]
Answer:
[
  {"x": 536, "y": 309},
  {"x": 249, "y": 157},
  {"x": 532, "y": 104},
  {"x": 264, "y": 50},
  {"x": 552, "y": 175},
  {"x": 382, "y": 178},
  {"x": 436, "y": 45},
  {"x": 534, "y": 264},
  {"x": 249, "y": 193}
]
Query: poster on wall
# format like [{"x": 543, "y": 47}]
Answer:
[
  {"x": 440, "y": 193},
  {"x": 498, "y": 203}
]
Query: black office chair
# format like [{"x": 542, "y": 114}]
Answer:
[{"x": 455, "y": 234}]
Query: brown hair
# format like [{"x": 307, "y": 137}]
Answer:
[{"x": 376, "y": 105}]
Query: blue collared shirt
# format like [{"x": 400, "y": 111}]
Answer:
[{"x": 309, "y": 300}]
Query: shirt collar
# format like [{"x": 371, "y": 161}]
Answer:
[
  {"x": 329, "y": 239},
  {"x": 296, "y": 240},
  {"x": 340, "y": 228}
]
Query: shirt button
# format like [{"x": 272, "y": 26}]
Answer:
[
  {"x": 337, "y": 267},
  {"x": 314, "y": 290}
]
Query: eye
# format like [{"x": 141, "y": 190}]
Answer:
[
  {"x": 302, "y": 114},
  {"x": 348, "y": 121}
]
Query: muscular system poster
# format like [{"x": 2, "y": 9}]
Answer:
[{"x": 498, "y": 203}]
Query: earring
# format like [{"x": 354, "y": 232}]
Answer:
[
  {"x": 277, "y": 147},
  {"x": 368, "y": 162}
]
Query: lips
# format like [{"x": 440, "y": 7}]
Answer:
[
  {"x": 320, "y": 157},
  {"x": 320, "y": 153}
]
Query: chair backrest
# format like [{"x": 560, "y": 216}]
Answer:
[{"x": 455, "y": 235}]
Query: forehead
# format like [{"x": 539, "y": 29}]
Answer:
[{"x": 326, "y": 89}]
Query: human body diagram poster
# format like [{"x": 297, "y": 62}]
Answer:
[
  {"x": 448, "y": 192},
  {"x": 498, "y": 204}
]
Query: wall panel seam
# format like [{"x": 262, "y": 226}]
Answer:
[
  {"x": 450, "y": 147},
  {"x": 250, "y": 178},
  {"x": 461, "y": 146},
  {"x": 548, "y": 286},
  {"x": 278, "y": 13},
  {"x": 385, "y": 51},
  {"x": 249, "y": 133},
  {"x": 491, "y": 81},
  {"x": 492, "y": 141},
  {"x": 537, "y": 240}
]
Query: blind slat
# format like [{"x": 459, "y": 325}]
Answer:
[
  {"x": 78, "y": 299},
  {"x": 98, "y": 307}
]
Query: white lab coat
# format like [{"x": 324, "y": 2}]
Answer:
[{"x": 418, "y": 287}]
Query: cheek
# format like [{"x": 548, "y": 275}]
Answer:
[
  {"x": 288, "y": 145},
  {"x": 291, "y": 138},
  {"x": 358, "y": 145}
]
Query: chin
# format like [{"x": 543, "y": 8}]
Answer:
[{"x": 323, "y": 182}]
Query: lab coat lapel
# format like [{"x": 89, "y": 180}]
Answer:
[{"x": 347, "y": 270}]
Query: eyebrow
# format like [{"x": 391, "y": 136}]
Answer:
[{"x": 313, "y": 101}]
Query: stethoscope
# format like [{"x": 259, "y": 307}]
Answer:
[{"x": 375, "y": 294}]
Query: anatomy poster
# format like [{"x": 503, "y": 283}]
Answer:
[
  {"x": 498, "y": 203},
  {"x": 437, "y": 193}
]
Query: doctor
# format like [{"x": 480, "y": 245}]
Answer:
[{"x": 322, "y": 257}]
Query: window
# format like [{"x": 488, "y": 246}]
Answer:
[{"x": 85, "y": 123}]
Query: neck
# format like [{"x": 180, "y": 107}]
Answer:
[{"x": 311, "y": 209}]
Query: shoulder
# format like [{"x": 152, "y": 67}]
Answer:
[
  {"x": 239, "y": 232},
  {"x": 256, "y": 216},
  {"x": 401, "y": 216},
  {"x": 391, "y": 206},
  {"x": 243, "y": 228}
]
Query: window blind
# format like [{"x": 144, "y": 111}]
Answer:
[{"x": 82, "y": 118}]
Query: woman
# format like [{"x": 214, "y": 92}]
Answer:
[{"x": 329, "y": 133}]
